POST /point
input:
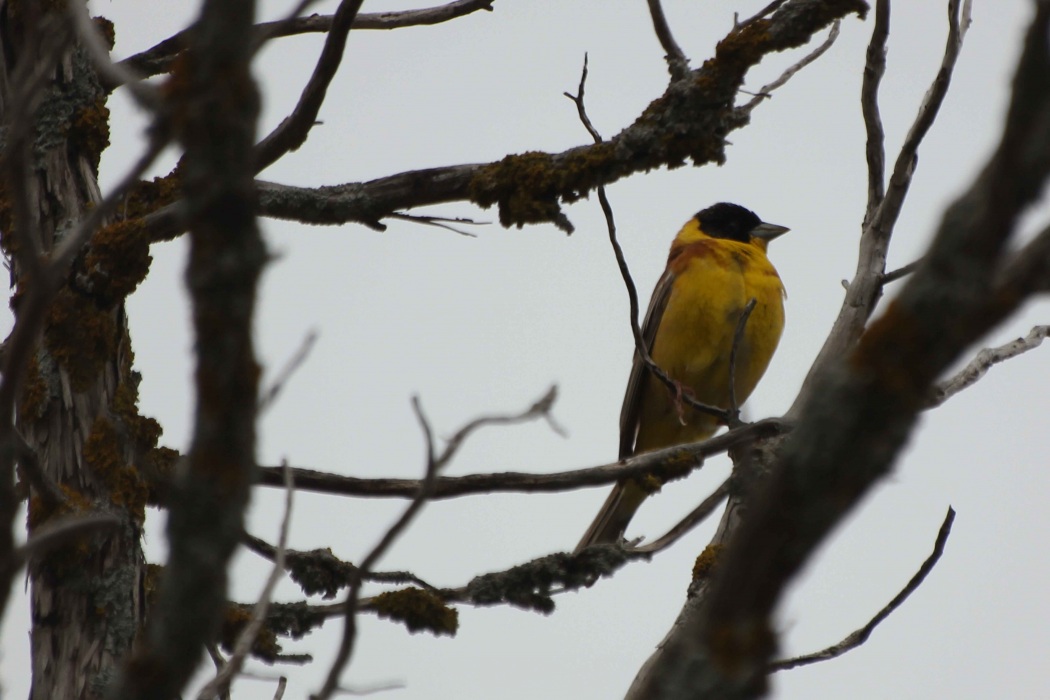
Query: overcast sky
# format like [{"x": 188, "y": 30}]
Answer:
[{"x": 487, "y": 324}]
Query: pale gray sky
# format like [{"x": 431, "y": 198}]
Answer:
[{"x": 486, "y": 324}]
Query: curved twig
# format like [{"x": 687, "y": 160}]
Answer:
[{"x": 858, "y": 637}]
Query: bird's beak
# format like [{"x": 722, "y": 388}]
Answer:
[{"x": 768, "y": 232}]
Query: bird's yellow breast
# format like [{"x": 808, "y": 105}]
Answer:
[{"x": 714, "y": 280}]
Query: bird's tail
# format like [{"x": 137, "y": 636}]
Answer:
[{"x": 616, "y": 513}]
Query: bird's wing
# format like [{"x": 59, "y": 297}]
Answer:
[{"x": 636, "y": 383}]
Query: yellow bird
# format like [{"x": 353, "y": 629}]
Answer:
[{"x": 716, "y": 266}]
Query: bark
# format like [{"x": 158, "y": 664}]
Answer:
[{"x": 76, "y": 408}]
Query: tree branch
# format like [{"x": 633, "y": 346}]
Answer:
[
  {"x": 219, "y": 686},
  {"x": 159, "y": 58},
  {"x": 664, "y": 464},
  {"x": 863, "y": 292},
  {"x": 858, "y": 637},
  {"x": 767, "y": 90},
  {"x": 875, "y": 145},
  {"x": 689, "y": 122},
  {"x": 860, "y": 405},
  {"x": 677, "y": 63},
  {"x": 985, "y": 360},
  {"x": 220, "y": 106},
  {"x": 291, "y": 133}
]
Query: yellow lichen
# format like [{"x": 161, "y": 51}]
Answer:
[
  {"x": 33, "y": 397},
  {"x": 90, "y": 131},
  {"x": 103, "y": 456},
  {"x": 107, "y": 30},
  {"x": 80, "y": 337},
  {"x": 264, "y": 646},
  {"x": 418, "y": 610},
  {"x": 707, "y": 561},
  {"x": 147, "y": 196},
  {"x": 117, "y": 261}
]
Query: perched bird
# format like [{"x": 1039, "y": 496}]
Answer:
[{"x": 716, "y": 266}]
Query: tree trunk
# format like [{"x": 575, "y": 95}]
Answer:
[{"x": 77, "y": 407}]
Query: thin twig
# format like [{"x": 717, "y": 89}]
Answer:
[
  {"x": 677, "y": 63},
  {"x": 632, "y": 293},
  {"x": 864, "y": 291},
  {"x": 581, "y": 110},
  {"x": 738, "y": 339},
  {"x": 440, "y": 222},
  {"x": 291, "y": 133},
  {"x": 160, "y": 57},
  {"x": 695, "y": 517},
  {"x": 220, "y": 685},
  {"x": 985, "y": 360},
  {"x": 663, "y": 462},
  {"x": 282, "y": 683},
  {"x": 858, "y": 637},
  {"x": 640, "y": 346},
  {"x": 904, "y": 167},
  {"x": 434, "y": 463},
  {"x": 540, "y": 409},
  {"x": 270, "y": 394},
  {"x": 875, "y": 145},
  {"x": 900, "y": 272},
  {"x": 767, "y": 90},
  {"x": 271, "y": 30},
  {"x": 764, "y": 12}
]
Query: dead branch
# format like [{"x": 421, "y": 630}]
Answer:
[
  {"x": 159, "y": 58},
  {"x": 677, "y": 63},
  {"x": 664, "y": 464},
  {"x": 858, "y": 637},
  {"x": 985, "y": 360},
  {"x": 219, "y": 686}
]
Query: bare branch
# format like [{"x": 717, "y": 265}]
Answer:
[
  {"x": 695, "y": 517},
  {"x": 858, "y": 637},
  {"x": 270, "y": 394},
  {"x": 435, "y": 462},
  {"x": 688, "y": 122},
  {"x": 581, "y": 108},
  {"x": 160, "y": 58},
  {"x": 664, "y": 464},
  {"x": 860, "y": 405},
  {"x": 540, "y": 409},
  {"x": 291, "y": 133},
  {"x": 900, "y": 272},
  {"x": 864, "y": 291},
  {"x": 220, "y": 685},
  {"x": 767, "y": 90},
  {"x": 441, "y": 222},
  {"x": 677, "y": 63},
  {"x": 985, "y": 360},
  {"x": 875, "y": 147}
]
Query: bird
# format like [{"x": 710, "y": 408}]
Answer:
[{"x": 716, "y": 265}]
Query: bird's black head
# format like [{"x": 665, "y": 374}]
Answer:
[{"x": 732, "y": 221}]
